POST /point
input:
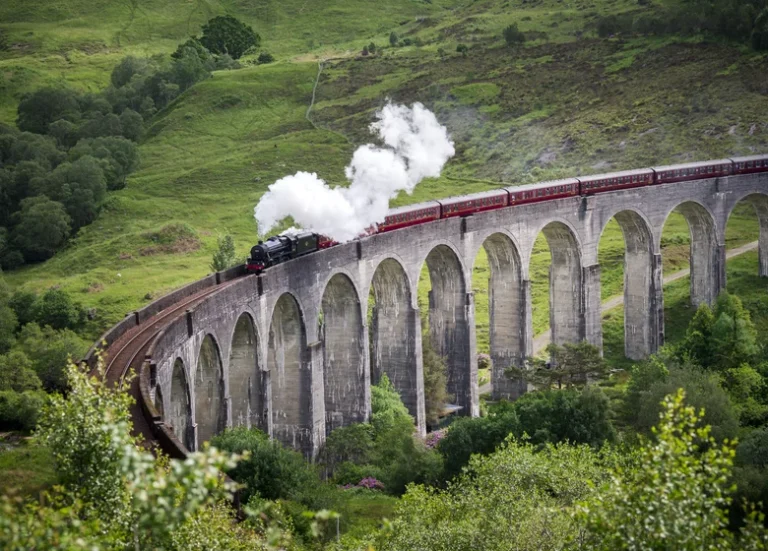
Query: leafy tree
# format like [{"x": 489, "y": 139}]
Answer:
[
  {"x": 393, "y": 39},
  {"x": 132, "y": 124},
  {"x": 81, "y": 187},
  {"x": 747, "y": 388},
  {"x": 127, "y": 69},
  {"x": 36, "y": 148},
  {"x": 265, "y": 57},
  {"x": 19, "y": 411},
  {"x": 516, "y": 498},
  {"x": 50, "y": 351},
  {"x": 698, "y": 337},
  {"x": 138, "y": 503},
  {"x": 39, "y": 109},
  {"x": 57, "y": 309},
  {"x": 226, "y": 35},
  {"x": 22, "y": 303},
  {"x": 512, "y": 35},
  {"x": 569, "y": 365},
  {"x": 734, "y": 338},
  {"x": 435, "y": 381},
  {"x": 225, "y": 256},
  {"x": 66, "y": 132},
  {"x": 270, "y": 470},
  {"x": 674, "y": 497},
  {"x": 387, "y": 409},
  {"x": 119, "y": 157},
  {"x": 372, "y": 47},
  {"x": 16, "y": 373},
  {"x": 702, "y": 389},
  {"x": 194, "y": 44},
  {"x": 42, "y": 228},
  {"x": 188, "y": 69}
]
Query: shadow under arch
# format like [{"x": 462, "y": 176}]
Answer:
[
  {"x": 759, "y": 202},
  {"x": 180, "y": 414},
  {"x": 705, "y": 263},
  {"x": 345, "y": 371},
  {"x": 290, "y": 378},
  {"x": 246, "y": 389},
  {"x": 210, "y": 405},
  {"x": 641, "y": 296},
  {"x": 449, "y": 329},
  {"x": 507, "y": 314},
  {"x": 395, "y": 336}
]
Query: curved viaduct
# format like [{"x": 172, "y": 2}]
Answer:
[{"x": 292, "y": 350}]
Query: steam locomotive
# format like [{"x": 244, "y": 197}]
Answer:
[{"x": 280, "y": 248}]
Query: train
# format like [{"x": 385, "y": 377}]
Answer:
[{"x": 280, "y": 248}]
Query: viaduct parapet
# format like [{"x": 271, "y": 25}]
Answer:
[{"x": 293, "y": 351}]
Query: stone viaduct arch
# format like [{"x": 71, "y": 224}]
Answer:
[
  {"x": 639, "y": 285},
  {"x": 289, "y": 374},
  {"x": 292, "y": 350},
  {"x": 345, "y": 373},
  {"x": 245, "y": 376},
  {"x": 210, "y": 404}
]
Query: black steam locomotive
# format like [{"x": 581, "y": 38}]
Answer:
[{"x": 280, "y": 248}]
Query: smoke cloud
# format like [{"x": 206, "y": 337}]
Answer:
[{"x": 416, "y": 146}]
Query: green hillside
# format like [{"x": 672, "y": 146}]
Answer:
[{"x": 567, "y": 101}]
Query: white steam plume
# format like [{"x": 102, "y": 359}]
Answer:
[{"x": 416, "y": 147}]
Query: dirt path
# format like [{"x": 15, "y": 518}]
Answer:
[{"x": 541, "y": 341}]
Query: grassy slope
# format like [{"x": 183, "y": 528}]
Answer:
[{"x": 562, "y": 104}]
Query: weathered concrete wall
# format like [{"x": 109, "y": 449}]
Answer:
[{"x": 307, "y": 357}]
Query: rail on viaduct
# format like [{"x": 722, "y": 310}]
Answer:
[{"x": 293, "y": 351}]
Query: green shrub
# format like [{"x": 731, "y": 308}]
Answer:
[
  {"x": 513, "y": 35},
  {"x": 20, "y": 410},
  {"x": 272, "y": 471},
  {"x": 56, "y": 309}
]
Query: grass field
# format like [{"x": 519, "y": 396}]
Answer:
[{"x": 564, "y": 103}]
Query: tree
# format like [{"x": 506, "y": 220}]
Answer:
[
  {"x": 702, "y": 389},
  {"x": 40, "y": 108},
  {"x": 81, "y": 187},
  {"x": 227, "y": 35},
  {"x": 392, "y": 39},
  {"x": 119, "y": 157},
  {"x": 50, "y": 351},
  {"x": 22, "y": 303},
  {"x": 42, "y": 228},
  {"x": 698, "y": 337},
  {"x": 435, "y": 381},
  {"x": 132, "y": 124},
  {"x": 462, "y": 49},
  {"x": 734, "y": 338},
  {"x": 194, "y": 44},
  {"x": 225, "y": 256},
  {"x": 105, "y": 475},
  {"x": 56, "y": 309},
  {"x": 675, "y": 497},
  {"x": 372, "y": 48},
  {"x": 16, "y": 373},
  {"x": 270, "y": 470},
  {"x": 188, "y": 69},
  {"x": 570, "y": 364},
  {"x": 124, "y": 71},
  {"x": 512, "y": 35},
  {"x": 365, "y": 51}
]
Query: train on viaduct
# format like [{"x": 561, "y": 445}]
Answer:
[{"x": 293, "y": 352}]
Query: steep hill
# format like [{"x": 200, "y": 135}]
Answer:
[{"x": 565, "y": 102}]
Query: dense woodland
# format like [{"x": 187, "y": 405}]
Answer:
[{"x": 667, "y": 453}]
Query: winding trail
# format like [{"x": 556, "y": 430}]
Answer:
[{"x": 541, "y": 341}]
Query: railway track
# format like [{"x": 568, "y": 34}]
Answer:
[{"x": 128, "y": 353}]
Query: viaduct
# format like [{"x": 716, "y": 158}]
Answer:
[{"x": 292, "y": 351}]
